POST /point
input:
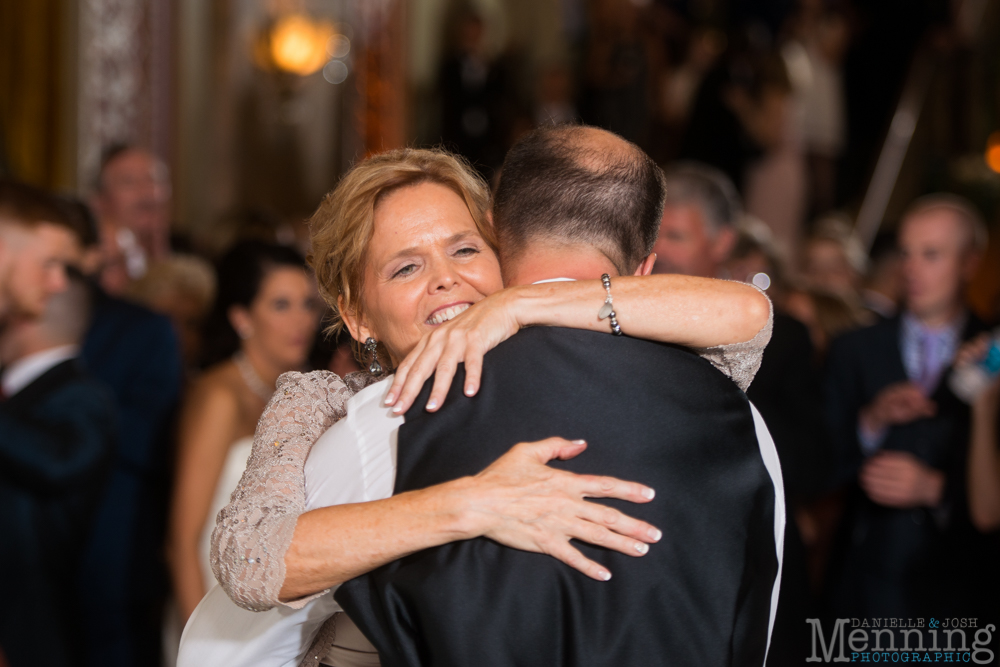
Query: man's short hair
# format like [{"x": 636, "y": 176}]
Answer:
[
  {"x": 961, "y": 208},
  {"x": 28, "y": 206},
  {"x": 695, "y": 184},
  {"x": 554, "y": 186}
]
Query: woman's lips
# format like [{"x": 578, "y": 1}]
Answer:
[{"x": 445, "y": 313}]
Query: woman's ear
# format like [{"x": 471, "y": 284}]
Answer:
[
  {"x": 358, "y": 331},
  {"x": 646, "y": 267},
  {"x": 239, "y": 319}
]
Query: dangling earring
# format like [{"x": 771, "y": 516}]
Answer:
[{"x": 370, "y": 346}]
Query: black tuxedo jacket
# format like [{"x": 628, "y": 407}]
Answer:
[
  {"x": 56, "y": 438},
  {"x": 651, "y": 413},
  {"x": 902, "y": 562}
]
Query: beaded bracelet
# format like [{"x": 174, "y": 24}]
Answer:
[{"x": 608, "y": 309}]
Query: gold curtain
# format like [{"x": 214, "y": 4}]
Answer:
[{"x": 31, "y": 53}]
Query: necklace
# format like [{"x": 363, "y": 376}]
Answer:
[{"x": 251, "y": 378}]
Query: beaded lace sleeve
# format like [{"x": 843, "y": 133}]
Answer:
[
  {"x": 741, "y": 361},
  {"x": 253, "y": 532}
]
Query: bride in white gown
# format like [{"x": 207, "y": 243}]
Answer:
[{"x": 265, "y": 316}]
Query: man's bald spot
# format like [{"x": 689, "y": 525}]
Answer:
[{"x": 595, "y": 149}]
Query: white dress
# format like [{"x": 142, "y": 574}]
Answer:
[
  {"x": 229, "y": 477},
  {"x": 232, "y": 472}
]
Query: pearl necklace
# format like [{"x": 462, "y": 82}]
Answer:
[{"x": 251, "y": 378}]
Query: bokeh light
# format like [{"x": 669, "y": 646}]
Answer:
[
  {"x": 993, "y": 152},
  {"x": 299, "y": 44}
]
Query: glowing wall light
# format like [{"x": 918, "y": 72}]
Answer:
[
  {"x": 296, "y": 44},
  {"x": 993, "y": 152}
]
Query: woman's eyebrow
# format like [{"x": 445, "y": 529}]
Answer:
[{"x": 454, "y": 238}]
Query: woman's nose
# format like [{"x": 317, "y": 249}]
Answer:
[{"x": 443, "y": 277}]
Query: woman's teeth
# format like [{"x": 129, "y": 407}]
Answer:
[{"x": 443, "y": 316}]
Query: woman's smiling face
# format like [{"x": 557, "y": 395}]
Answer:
[{"x": 426, "y": 263}]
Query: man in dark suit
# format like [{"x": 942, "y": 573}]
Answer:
[
  {"x": 57, "y": 429},
  {"x": 906, "y": 547},
  {"x": 135, "y": 352},
  {"x": 574, "y": 203}
]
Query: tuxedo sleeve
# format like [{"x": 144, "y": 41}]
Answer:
[{"x": 63, "y": 445}]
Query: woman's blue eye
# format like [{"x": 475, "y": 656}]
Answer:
[
  {"x": 468, "y": 251},
  {"x": 282, "y": 304}
]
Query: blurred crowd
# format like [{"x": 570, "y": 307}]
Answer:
[{"x": 133, "y": 367}]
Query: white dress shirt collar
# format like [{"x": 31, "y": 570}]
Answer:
[{"x": 26, "y": 370}]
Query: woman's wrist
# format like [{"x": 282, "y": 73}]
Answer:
[{"x": 448, "y": 507}]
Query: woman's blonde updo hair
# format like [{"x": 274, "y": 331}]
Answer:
[{"x": 342, "y": 226}]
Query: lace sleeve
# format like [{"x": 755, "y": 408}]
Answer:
[
  {"x": 254, "y": 531},
  {"x": 741, "y": 361}
]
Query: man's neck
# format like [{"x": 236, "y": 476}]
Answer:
[
  {"x": 938, "y": 318},
  {"x": 545, "y": 262}
]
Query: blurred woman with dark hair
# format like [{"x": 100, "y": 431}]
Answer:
[{"x": 262, "y": 324}]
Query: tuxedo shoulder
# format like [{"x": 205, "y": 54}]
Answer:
[{"x": 540, "y": 337}]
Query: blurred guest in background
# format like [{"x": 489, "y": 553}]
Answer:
[
  {"x": 906, "y": 547},
  {"x": 814, "y": 54},
  {"x": 135, "y": 353},
  {"x": 740, "y": 111},
  {"x": 699, "y": 217},
  {"x": 697, "y": 237},
  {"x": 833, "y": 267},
  {"x": 132, "y": 202},
  {"x": 57, "y": 429},
  {"x": 182, "y": 287},
  {"x": 833, "y": 258},
  {"x": 984, "y": 445},
  {"x": 262, "y": 325},
  {"x": 882, "y": 288},
  {"x": 472, "y": 96},
  {"x": 38, "y": 237},
  {"x": 619, "y": 65}
]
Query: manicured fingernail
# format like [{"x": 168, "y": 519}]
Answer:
[
  {"x": 470, "y": 389},
  {"x": 604, "y": 574},
  {"x": 390, "y": 398},
  {"x": 397, "y": 409},
  {"x": 431, "y": 404},
  {"x": 579, "y": 442},
  {"x": 654, "y": 534},
  {"x": 642, "y": 548},
  {"x": 648, "y": 493}
]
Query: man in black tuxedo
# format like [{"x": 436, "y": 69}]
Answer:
[
  {"x": 57, "y": 430},
  {"x": 697, "y": 235},
  {"x": 906, "y": 547},
  {"x": 574, "y": 203}
]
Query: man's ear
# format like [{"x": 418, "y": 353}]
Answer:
[
  {"x": 358, "y": 331},
  {"x": 970, "y": 265},
  {"x": 646, "y": 267},
  {"x": 722, "y": 245}
]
